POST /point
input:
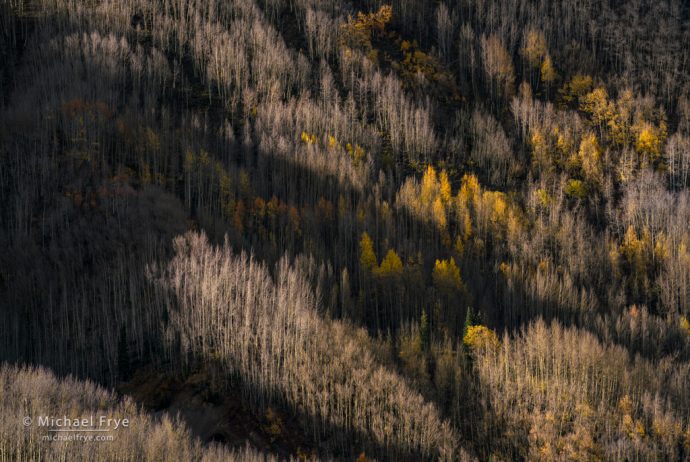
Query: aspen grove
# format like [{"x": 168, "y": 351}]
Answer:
[{"x": 346, "y": 230}]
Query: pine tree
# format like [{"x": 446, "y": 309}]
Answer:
[{"x": 469, "y": 321}]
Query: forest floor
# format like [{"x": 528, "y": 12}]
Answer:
[{"x": 222, "y": 417}]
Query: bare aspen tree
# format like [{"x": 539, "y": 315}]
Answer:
[
  {"x": 444, "y": 30},
  {"x": 498, "y": 66}
]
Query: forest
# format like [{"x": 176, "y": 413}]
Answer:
[{"x": 354, "y": 230}]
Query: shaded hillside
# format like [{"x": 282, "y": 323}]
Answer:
[{"x": 414, "y": 230}]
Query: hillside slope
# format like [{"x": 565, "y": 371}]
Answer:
[{"x": 406, "y": 230}]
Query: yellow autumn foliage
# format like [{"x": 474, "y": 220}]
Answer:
[
  {"x": 535, "y": 47},
  {"x": 633, "y": 249},
  {"x": 438, "y": 213},
  {"x": 685, "y": 324},
  {"x": 356, "y": 153},
  {"x": 590, "y": 157},
  {"x": 391, "y": 266},
  {"x": 576, "y": 189},
  {"x": 445, "y": 189},
  {"x": 548, "y": 71},
  {"x": 358, "y": 32},
  {"x": 308, "y": 138},
  {"x": 446, "y": 274},
  {"x": 429, "y": 186},
  {"x": 469, "y": 190},
  {"x": 649, "y": 141},
  {"x": 576, "y": 88},
  {"x": 367, "y": 256},
  {"x": 480, "y": 338},
  {"x": 596, "y": 103}
]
